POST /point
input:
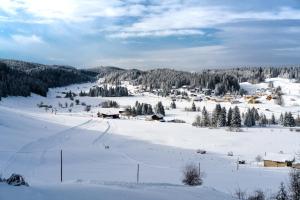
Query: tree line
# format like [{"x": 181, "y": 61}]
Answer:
[
  {"x": 233, "y": 118},
  {"x": 19, "y": 78},
  {"x": 219, "y": 80},
  {"x": 117, "y": 91}
]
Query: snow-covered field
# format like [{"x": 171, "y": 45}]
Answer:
[{"x": 31, "y": 140}]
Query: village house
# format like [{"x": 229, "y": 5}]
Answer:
[{"x": 278, "y": 160}]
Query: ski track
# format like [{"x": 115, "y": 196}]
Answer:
[
  {"x": 46, "y": 143},
  {"x": 98, "y": 139}
]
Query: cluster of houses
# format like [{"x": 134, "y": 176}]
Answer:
[{"x": 123, "y": 113}]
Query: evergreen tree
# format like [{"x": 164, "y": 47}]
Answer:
[
  {"x": 193, "y": 107},
  {"x": 282, "y": 193},
  {"x": 215, "y": 115},
  {"x": 173, "y": 105},
  {"x": 229, "y": 117},
  {"x": 222, "y": 118},
  {"x": 289, "y": 120},
  {"x": 236, "y": 118},
  {"x": 197, "y": 121},
  {"x": 281, "y": 119},
  {"x": 205, "y": 118},
  {"x": 255, "y": 114},
  {"x": 159, "y": 108},
  {"x": 263, "y": 120},
  {"x": 273, "y": 120},
  {"x": 249, "y": 118}
]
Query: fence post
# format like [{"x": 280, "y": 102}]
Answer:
[
  {"x": 138, "y": 173},
  {"x": 199, "y": 169},
  {"x": 61, "y": 167},
  {"x": 237, "y": 164}
]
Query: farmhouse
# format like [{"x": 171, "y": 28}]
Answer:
[
  {"x": 157, "y": 117},
  {"x": 278, "y": 160},
  {"x": 125, "y": 113},
  {"x": 110, "y": 116}
]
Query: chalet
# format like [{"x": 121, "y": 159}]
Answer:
[
  {"x": 109, "y": 116},
  {"x": 278, "y": 160},
  {"x": 125, "y": 113},
  {"x": 157, "y": 117}
]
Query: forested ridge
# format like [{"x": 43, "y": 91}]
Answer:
[
  {"x": 220, "y": 80},
  {"x": 18, "y": 78}
]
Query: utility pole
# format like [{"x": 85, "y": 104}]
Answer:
[
  {"x": 61, "y": 167},
  {"x": 138, "y": 173}
]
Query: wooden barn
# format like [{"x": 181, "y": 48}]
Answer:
[
  {"x": 110, "y": 116},
  {"x": 157, "y": 117},
  {"x": 278, "y": 160}
]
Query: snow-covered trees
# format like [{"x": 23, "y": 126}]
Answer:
[
  {"x": 229, "y": 116},
  {"x": 215, "y": 115},
  {"x": 289, "y": 120},
  {"x": 142, "y": 109},
  {"x": 205, "y": 118},
  {"x": 278, "y": 98},
  {"x": 236, "y": 118},
  {"x": 249, "y": 119},
  {"x": 262, "y": 120},
  {"x": 222, "y": 118},
  {"x": 273, "y": 120},
  {"x": 193, "y": 108},
  {"x": 173, "y": 105},
  {"x": 19, "y": 78},
  {"x": 197, "y": 121},
  {"x": 110, "y": 104},
  {"x": 104, "y": 91},
  {"x": 159, "y": 108},
  {"x": 282, "y": 193}
]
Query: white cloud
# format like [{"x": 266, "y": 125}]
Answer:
[
  {"x": 26, "y": 40},
  {"x": 203, "y": 17},
  {"x": 71, "y": 10},
  {"x": 159, "y": 33},
  {"x": 160, "y": 18}
]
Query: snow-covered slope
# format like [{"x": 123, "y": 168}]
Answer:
[{"x": 100, "y": 156}]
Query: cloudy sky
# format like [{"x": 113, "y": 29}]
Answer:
[{"x": 182, "y": 34}]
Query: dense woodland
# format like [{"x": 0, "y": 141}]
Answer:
[
  {"x": 220, "y": 80},
  {"x": 18, "y": 78}
]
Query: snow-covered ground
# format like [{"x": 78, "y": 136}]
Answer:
[{"x": 31, "y": 140}]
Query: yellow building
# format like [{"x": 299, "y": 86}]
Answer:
[{"x": 278, "y": 160}]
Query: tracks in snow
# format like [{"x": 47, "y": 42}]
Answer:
[{"x": 42, "y": 145}]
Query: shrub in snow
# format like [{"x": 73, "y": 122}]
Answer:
[
  {"x": 16, "y": 180},
  {"x": 239, "y": 195},
  {"x": 258, "y": 158},
  {"x": 191, "y": 175},
  {"x": 234, "y": 129},
  {"x": 258, "y": 195},
  {"x": 230, "y": 153},
  {"x": 201, "y": 151}
]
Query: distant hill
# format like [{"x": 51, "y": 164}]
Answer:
[
  {"x": 19, "y": 78},
  {"x": 219, "y": 80}
]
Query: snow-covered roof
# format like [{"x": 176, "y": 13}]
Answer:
[{"x": 279, "y": 157}]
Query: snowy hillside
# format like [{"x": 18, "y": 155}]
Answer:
[{"x": 100, "y": 156}]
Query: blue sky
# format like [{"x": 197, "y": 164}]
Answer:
[{"x": 181, "y": 34}]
